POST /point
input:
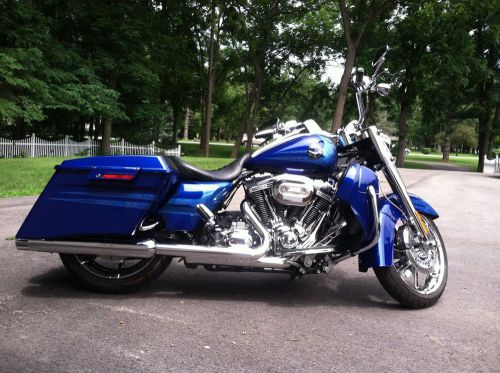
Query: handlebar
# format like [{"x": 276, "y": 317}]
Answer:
[
  {"x": 264, "y": 134},
  {"x": 279, "y": 128}
]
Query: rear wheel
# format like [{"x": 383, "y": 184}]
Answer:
[
  {"x": 418, "y": 277},
  {"x": 106, "y": 274}
]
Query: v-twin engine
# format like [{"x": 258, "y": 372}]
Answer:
[{"x": 292, "y": 207}]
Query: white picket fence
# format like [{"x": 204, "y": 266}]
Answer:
[
  {"x": 492, "y": 166},
  {"x": 34, "y": 147}
]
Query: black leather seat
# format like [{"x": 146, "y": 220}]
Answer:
[{"x": 189, "y": 172}]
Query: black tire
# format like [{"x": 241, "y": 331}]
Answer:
[
  {"x": 406, "y": 294},
  {"x": 108, "y": 280}
]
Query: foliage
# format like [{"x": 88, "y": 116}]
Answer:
[
  {"x": 426, "y": 150},
  {"x": 140, "y": 69},
  {"x": 464, "y": 136}
]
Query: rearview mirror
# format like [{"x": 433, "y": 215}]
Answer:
[{"x": 383, "y": 89}]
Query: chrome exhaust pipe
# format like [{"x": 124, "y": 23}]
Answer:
[
  {"x": 232, "y": 256},
  {"x": 145, "y": 249}
]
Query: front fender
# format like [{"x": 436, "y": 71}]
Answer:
[{"x": 382, "y": 254}]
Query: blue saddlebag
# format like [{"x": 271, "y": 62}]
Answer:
[{"x": 99, "y": 196}]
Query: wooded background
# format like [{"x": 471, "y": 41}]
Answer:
[{"x": 160, "y": 70}]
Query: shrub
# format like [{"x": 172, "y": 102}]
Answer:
[{"x": 425, "y": 150}]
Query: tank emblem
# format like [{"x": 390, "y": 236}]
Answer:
[{"x": 315, "y": 151}]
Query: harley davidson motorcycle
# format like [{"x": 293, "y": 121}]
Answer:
[{"x": 311, "y": 200}]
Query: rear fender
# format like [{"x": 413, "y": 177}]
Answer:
[{"x": 382, "y": 254}]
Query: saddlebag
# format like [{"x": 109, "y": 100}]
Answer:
[{"x": 99, "y": 196}]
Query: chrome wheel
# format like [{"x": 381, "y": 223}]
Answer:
[
  {"x": 110, "y": 267},
  {"x": 111, "y": 274},
  {"x": 420, "y": 271},
  {"x": 421, "y": 267}
]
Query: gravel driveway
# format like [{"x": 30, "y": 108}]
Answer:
[{"x": 195, "y": 320}]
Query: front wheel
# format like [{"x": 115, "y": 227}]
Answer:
[
  {"x": 106, "y": 274},
  {"x": 418, "y": 277}
]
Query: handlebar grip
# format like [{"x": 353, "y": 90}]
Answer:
[
  {"x": 360, "y": 72},
  {"x": 264, "y": 133}
]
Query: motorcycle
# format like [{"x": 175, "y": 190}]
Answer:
[{"x": 311, "y": 200}]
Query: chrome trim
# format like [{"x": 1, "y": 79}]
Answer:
[
  {"x": 311, "y": 251},
  {"x": 144, "y": 228},
  {"x": 291, "y": 198},
  {"x": 145, "y": 249},
  {"x": 280, "y": 141}
]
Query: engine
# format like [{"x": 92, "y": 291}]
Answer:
[{"x": 292, "y": 207}]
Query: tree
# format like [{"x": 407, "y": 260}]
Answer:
[
  {"x": 356, "y": 17},
  {"x": 486, "y": 36},
  {"x": 463, "y": 137}
]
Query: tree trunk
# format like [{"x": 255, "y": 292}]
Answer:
[
  {"x": 446, "y": 146},
  {"x": 108, "y": 122},
  {"x": 447, "y": 135},
  {"x": 187, "y": 119},
  {"x": 81, "y": 134},
  {"x": 370, "y": 111},
  {"x": 244, "y": 122},
  {"x": 495, "y": 131},
  {"x": 176, "y": 110},
  {"x": 20, "y": 129},
  {"x": 211, "y": 79},
  {"x": 482, "y": 142},
  {"x": 98, "y": 128},
  {"x": 239, "y": 136},
  {"x": 202, "y": 111},
  {"x": 259, "y": 79},
  {"x": 91, "y": 128},
  {"x": 483, "y": 137},
  {"x": 352, "y": 46},
  {"x": 403, "y": 129},
  {"x": 344, "y": 85},
  {"x": 106, "y": 137}
]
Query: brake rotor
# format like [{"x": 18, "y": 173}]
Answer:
[{"x": 422, "y": 255}]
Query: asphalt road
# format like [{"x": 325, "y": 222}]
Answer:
[{"x": 195, "y": 320}]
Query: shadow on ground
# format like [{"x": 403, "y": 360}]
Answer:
[{"x": 336, "y": 289}]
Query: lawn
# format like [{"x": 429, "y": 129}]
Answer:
[
  {"x": 216, "y": 150},
  {"x": 28, "y": 176},
  {"x": 416, "y": 159}
]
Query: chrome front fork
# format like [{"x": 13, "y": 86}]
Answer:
[{"x": 396, "y": 182}]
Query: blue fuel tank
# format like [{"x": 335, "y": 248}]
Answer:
[{"x": 305, "y": 154}]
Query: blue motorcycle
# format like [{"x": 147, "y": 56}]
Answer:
[{"x": 310, "y": 200}]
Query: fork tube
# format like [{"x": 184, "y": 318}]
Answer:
[{"x": 395, "y": 181}]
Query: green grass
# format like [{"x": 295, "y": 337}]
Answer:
[
  {"x": 25, "y": 176},
  {"x": 216, "y": 151},
  {"x": 28, "y": 176},
  {"x": 466, "y": 160},
  {"x": 208, "y": 163}
]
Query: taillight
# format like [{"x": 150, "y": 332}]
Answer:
[{"x": 117, "y": 176}]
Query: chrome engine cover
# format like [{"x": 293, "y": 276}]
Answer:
[
  {"x": 239, "y": 235},
  {"x": 293, "y": 190}
]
